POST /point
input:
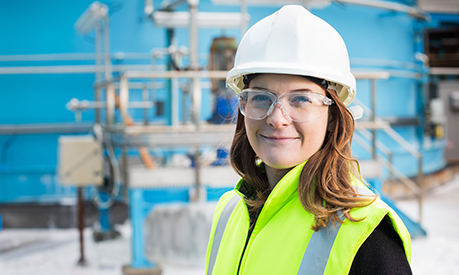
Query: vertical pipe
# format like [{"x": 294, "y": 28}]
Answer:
[
  {"x": 136, "y": 209},
  {"x": 125, "y": 170},
  {"x": 244, "y": 15},
  {"x": 124, "y": 98},
  {"x": 108, "y": 63},
  {"x": 168, "y": 106},
  {"x": 174, "y": 101},
  {"x": 197, "y": 176},
  {"x": 390, "y": 179},
  {"x": 110, "y": 98},
  {"x": 98, "y": 69},
  {"x": 110, "y": 101},
  {"x": 82, "y": 260},
  {"x": 421, "y": 186},
  {"x": 196, "y": 85},
  {"x": 373, "y": 117},
  {"x": 145, "y": 98}
]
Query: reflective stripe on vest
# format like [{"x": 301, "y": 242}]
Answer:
[
  {"x": 316, "y": 256},
  {"x": 220, "y": 229}
]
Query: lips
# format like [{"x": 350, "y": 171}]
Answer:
[{"x": 279, "y": 138}]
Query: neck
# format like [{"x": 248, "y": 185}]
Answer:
[{"x": 275, "y": 175}]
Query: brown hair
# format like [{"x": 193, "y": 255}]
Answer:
[{"x": 324, "y": 186}]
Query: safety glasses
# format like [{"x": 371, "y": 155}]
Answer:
[{"x": 298, "y": 106}]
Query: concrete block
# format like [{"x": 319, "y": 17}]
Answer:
[{"x": 179, "y": 233}]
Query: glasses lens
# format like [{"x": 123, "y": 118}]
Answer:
[
  {"x": 298, "y": 106},
  {"x": 304, "y": 107},
  {"x": 255, "y": 104}
]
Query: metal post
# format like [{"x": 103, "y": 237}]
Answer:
[
  {"x": 124, "y": 98},
  {"x": 98, "y": 69},
  {"x": 196, "y": 85},
  {"x": 110, "y": 101},
  {"x": 421, "y": 186},
  {"x": 125, "y": 171},
  {"x": 136, "y": 209},
  {"x": 391, "y": 175},
  {"x": 82, "y": 260},
  {"x": 194, "y": 64},
  {"x": 108, "y": 63},
  {"x": 197, "y": 176},
  {"x": 174, "y": 101},
  {"x": 373, "y": 117},
  {"x": 244, "y": 14},
  {"x": 145, "y": 98}
]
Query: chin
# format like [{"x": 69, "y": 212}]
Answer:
[{"x": 276, "y": 164}]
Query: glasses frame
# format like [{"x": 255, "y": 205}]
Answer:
[{"x": 278, "y": 100}]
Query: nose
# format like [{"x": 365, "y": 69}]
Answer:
[{"x": 277, "y": 118}]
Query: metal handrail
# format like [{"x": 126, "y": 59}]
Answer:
[
  {"x": 407, "y": 181},
  {"x": 416, "y": 188}
]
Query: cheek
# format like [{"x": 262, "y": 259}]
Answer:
[
  {"x": 314, "y": 135},
  {"x": 252, "y": 128}
]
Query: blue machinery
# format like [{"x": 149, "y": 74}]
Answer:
[{"x": 384, "y": 41}]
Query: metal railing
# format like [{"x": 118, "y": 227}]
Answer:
[{"x": 369, "y": 134}]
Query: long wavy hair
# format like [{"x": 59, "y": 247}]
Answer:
[{"x": 324, "y": 186}]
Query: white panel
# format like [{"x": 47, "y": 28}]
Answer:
[{"x": 80, "y": 161}]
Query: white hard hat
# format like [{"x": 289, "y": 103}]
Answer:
[{"x": 294, "y": 41}]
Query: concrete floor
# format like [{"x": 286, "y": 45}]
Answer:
[{"x": 54, "y": 251}]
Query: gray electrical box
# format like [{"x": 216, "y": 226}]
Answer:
[
  {"x": 449, "y": 92},
  {"x": 80, "y": 161},
  {"x": 454, "y": 101}
]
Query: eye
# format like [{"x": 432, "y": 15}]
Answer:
[
  {"x": 261, "y": 100},
  {"x": 298, "y": 100}
]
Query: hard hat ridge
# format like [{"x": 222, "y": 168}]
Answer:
[{"x": 294, "y": 41}]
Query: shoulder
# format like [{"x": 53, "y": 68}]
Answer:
[{"x": 381, "y": 253}]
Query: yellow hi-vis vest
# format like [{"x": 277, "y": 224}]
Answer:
[{"x": 282, "y": 241}]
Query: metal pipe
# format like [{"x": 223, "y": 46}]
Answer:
[
  {"x": 415, "y": 12},
  {"x": 82, "y": 56},
  {"x": 70, "y": 69},
  {"x": 193, "y": 32},
  {"x": 390, "y": 156},
  {"x": 49, "y": 128},
  {"x": 98, "y": 69},
  {"x": 421, "y": 186},
  {"x": 124, "y": 98},
  {"x": 111, "y": 103},
  {"x": 108, "y": 63},
  {"x": 244, "y": 16},
  {"x": 77, "y": 105},
  {"x": 145, "y": 99},
  {"x": 125, "y": 171},
  {"x": 174, "y": 101},
  {"x": 81, "y": 226},
  {"x": 373, "y": 116},
  {"x": 194, "y": 64}
]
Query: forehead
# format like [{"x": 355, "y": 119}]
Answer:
[{"x": 283, "y": 83}]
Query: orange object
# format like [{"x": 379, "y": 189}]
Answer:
[{"x": 143, "y": 151}]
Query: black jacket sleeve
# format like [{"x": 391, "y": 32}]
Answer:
[{"x": 382, "y": 253}]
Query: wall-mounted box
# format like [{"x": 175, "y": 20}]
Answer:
[
  {"x": 454, "y": 101},
  {"x": 80, "y": 161}
]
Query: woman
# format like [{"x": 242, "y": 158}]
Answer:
[{"x": 300, "y": 207}]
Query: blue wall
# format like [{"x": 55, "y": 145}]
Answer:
[{"x": 28, "y": 162}]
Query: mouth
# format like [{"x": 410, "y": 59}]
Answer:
[{"x": 279, "y": 138}]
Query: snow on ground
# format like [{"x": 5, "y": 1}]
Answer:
[{"x": 56, "y": 251}]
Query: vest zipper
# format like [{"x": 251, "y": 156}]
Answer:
[{"x": 252, "y": 226}]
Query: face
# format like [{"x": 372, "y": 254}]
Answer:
[{"x": 277, "y": 140}]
